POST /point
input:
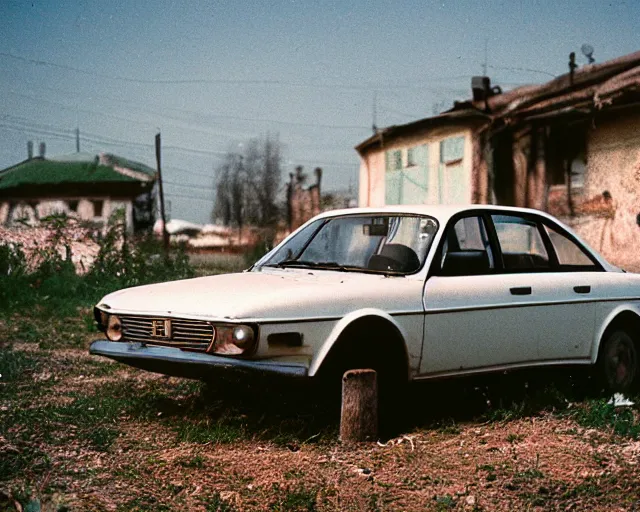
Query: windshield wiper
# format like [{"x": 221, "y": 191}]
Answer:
[{"x": 330, "y": 265}]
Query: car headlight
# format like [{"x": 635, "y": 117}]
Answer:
[
  {"x": 114, "y": 328},
  {"x": 232, "y": 340}
]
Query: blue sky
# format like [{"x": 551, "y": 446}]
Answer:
[{"x": 304, "y": 70}]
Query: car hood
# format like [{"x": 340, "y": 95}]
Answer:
[{"x": 270, "y": 294}]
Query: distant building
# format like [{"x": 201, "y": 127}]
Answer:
[
  {"x": 89, "y": 187},
  {"x": 570, "y": 146}
]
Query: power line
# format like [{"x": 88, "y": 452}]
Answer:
[
  {"x": 187, "y": 185},
  {"x": 224, "y": 81},
  {"x": 36, "y": 131},
  {"x": 195, "y": 151},
  {"x": 529, "y": 70},
  {"x": 189, "y": 171},
  {"x": 184, "y": 196},
  {"x": 185, "y": 111}
]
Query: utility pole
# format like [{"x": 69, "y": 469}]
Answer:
[
  {"x": 77, "y": 139},
  {"x": 165, "y": 233},
  {"x": 484, "y": 64},
  {"x": 375, "y": 108},
  {"x": 572, "y": 66}
]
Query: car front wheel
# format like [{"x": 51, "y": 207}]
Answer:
[{"x": 618, "y": 362}]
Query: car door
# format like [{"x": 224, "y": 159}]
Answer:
[
  {"x": 573, "y": 290},
  {"x": 526, "y": 309},
  {"x": 475, "y": 314}
]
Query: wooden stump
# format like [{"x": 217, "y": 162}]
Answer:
[{"x": 359, "y": 416}]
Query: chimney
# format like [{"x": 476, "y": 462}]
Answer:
[
  {"x": 481, "y": 87},
  {"x": 30, "y": 149},
  {"x": 43, "y": 149}
]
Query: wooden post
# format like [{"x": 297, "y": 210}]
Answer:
[
  {"x": 165, "y": 233},
  {"x": 359, "y": 416}
]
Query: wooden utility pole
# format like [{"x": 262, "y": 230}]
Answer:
[{"x": 165, "y": 233}]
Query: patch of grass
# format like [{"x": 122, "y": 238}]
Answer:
[
  {"x": 216, "y": 504},
  {"x": 146, "y": 503},
  {"x": 205, "y": 431},
  {"x": 623, "y": 421},
  {"x": 101, "y": 438},
  {"x": 445, "y": 502},
  {"x": 15, "y": 366},
  {"x": 293, "y": 474},
  {"x": 197, "y": 461},
  {"x": 299, "y": 499},
  {"x": 449, "y": 426}
]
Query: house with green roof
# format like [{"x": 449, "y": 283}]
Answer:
[{"x": 86, "y": 186}]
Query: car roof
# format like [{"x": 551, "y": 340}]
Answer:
[{"x": 440, "y": 212}]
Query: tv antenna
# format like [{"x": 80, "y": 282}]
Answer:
[{"x": 587, "y": 51}]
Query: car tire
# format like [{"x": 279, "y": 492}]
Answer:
[{"x": 618, "y": 362}]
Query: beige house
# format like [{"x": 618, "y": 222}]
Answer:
[
  {"x": 429, "y": 161},
  {"x": 87, "y": 187},
  {"x": 570, "y": 147}
]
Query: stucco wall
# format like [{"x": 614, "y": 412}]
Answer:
[
  {"x": 85, "y": 210},
  {"x": 373, "y": 165},
  {"x": 613, "y": 165}
]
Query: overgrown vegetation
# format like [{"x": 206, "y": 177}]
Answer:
[{"x": 58, "y": 299}]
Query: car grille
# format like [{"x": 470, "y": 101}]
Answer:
[{"x": 168, "y": 332}]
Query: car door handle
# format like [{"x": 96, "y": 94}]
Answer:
[
  {"x": 582, "y": 289},
  {"x": 521, "y": 290}
]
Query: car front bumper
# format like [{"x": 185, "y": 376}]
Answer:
[{"x": 176, "y": 362}]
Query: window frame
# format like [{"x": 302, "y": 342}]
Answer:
[
  {"x": 262, "y": 262},
  {"x": 435, "y": 268}
]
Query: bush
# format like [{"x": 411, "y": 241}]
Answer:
[{"x": 53, "y": 287}]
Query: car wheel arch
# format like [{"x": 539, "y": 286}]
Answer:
[
  {"x": 623, "y": 318},
  {"x": 345, "y": 331}
]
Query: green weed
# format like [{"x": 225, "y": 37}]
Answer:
[{"x": 599, "y": 414}]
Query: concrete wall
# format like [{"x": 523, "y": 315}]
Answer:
[
  {"x": 373, "y": 166},
  {"x": 85, "y": 210},
  {"x": 613, "y": 165}
]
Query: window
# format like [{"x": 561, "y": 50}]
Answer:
[
  {"x": 466, "y": 249},
  {"x": 454, "y": 184},
  {"x": 394, "y": 160},
  {"x": 452, "y": 150},
  {"x": 380, "y": 243},
  {"x": 567, "y": 251},
  {"x": 521, "y": 243},
  {"x": 97, "y": 208},
  {"x": 407, "y": 175},
  {"x": 411, "y": 157}
]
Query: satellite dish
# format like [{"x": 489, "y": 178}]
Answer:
[{"x": 587, "y": 51}]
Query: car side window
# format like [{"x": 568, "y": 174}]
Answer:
[
  {"x": 521, "y": 243},
  {"x": 466, "y": 250},
  {"x": 570, "y": 255}
]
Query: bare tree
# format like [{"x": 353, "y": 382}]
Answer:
[{"x": 248, "y": 183}]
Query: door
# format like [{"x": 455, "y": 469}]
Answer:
[
  {"x": 473, "y": 317},
  {"x": 528, "y": 303}
]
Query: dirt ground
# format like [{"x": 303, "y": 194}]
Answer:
[{"x": 83, "y": 433}]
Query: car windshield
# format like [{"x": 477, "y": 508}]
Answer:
[{"x": 396, "y": 244}]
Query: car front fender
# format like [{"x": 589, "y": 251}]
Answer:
[{"x": 343, "y": 324}]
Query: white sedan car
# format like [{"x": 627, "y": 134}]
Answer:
[{"x": 415, "y": 292}]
